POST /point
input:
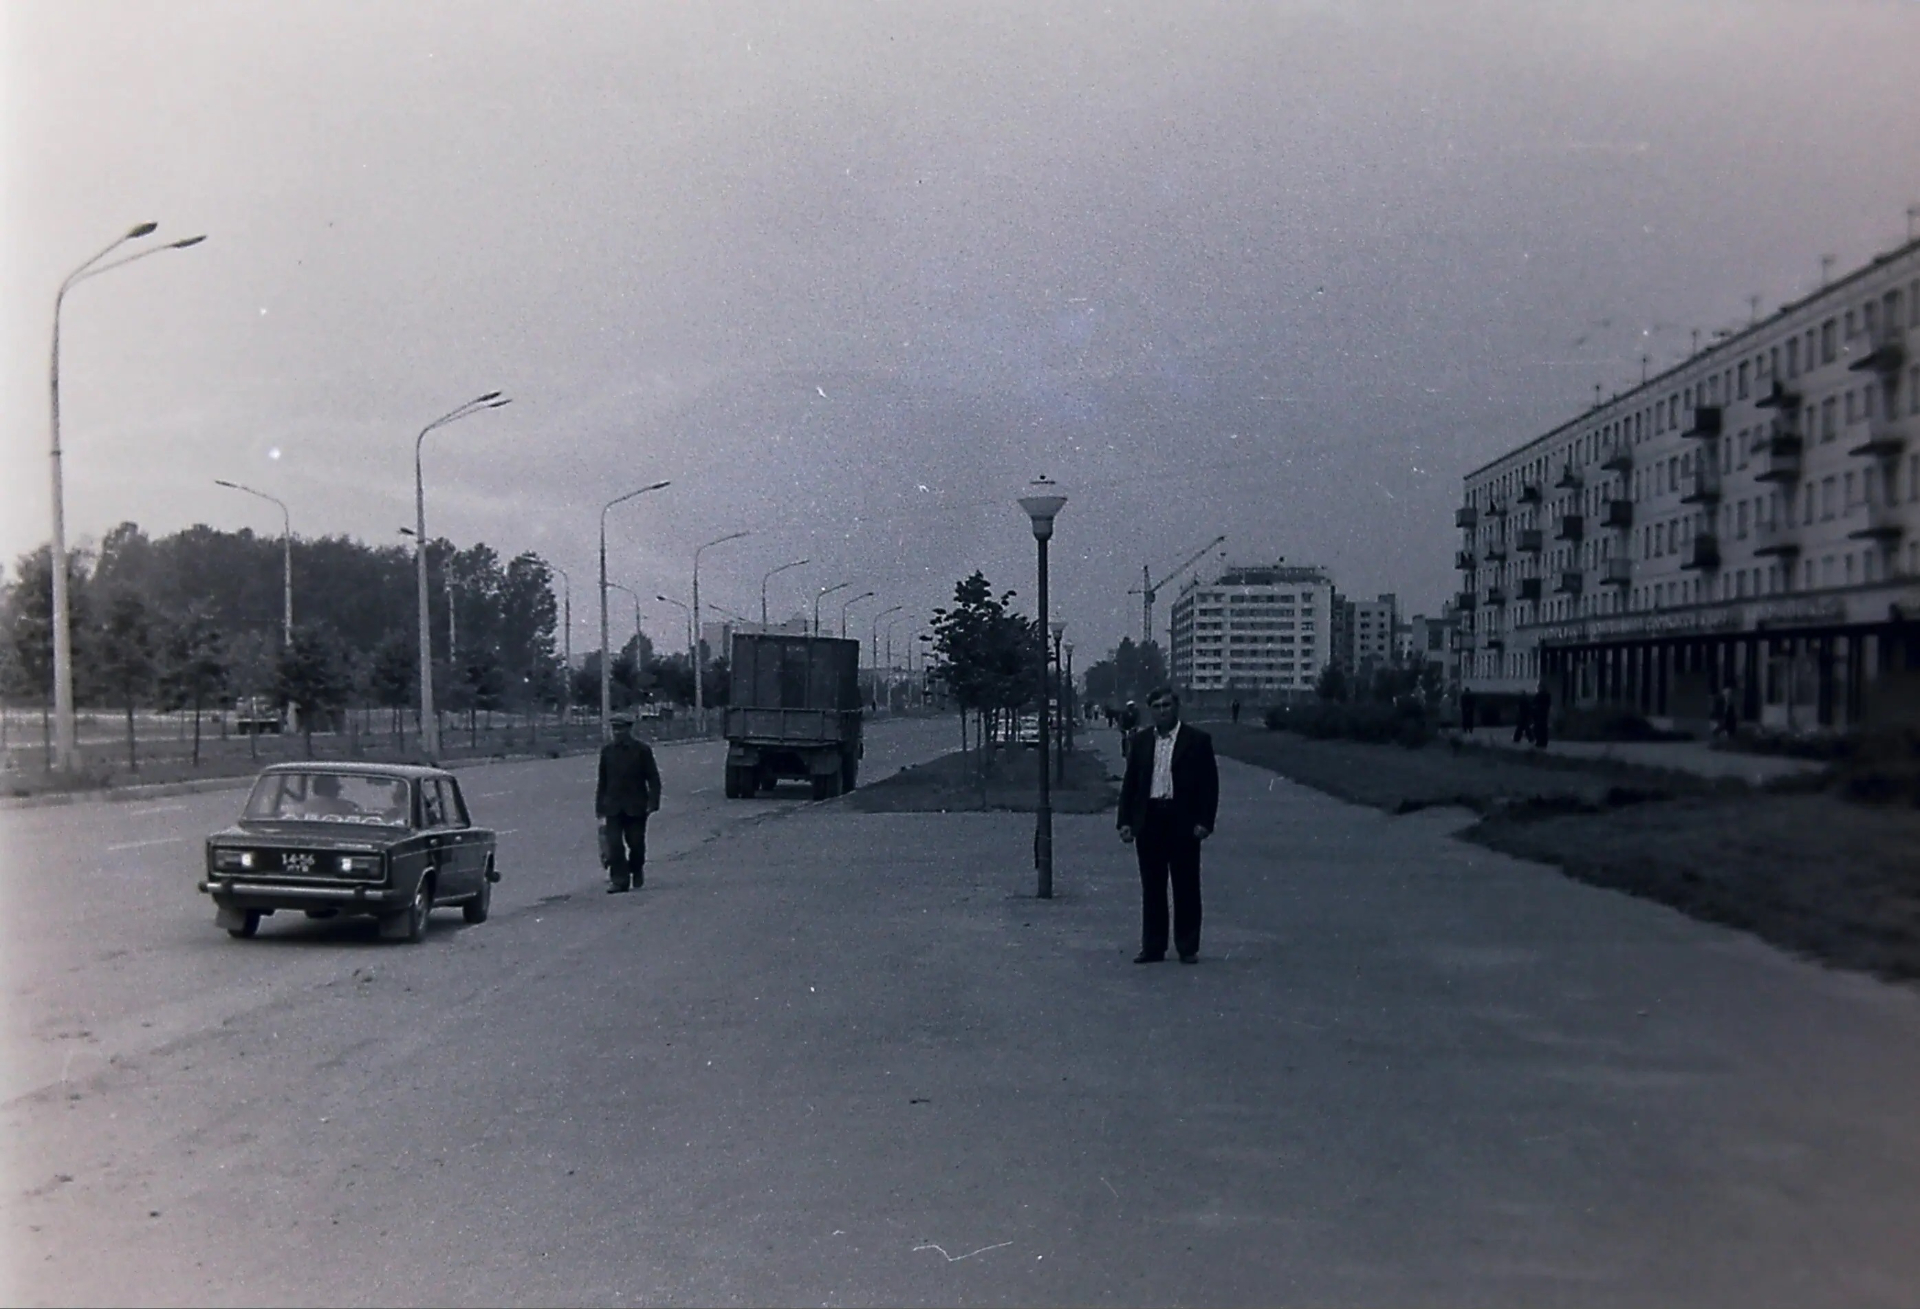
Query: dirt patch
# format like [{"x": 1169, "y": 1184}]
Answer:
[
  {"x": 1008, "y": 779},
  {"x": 1803, "y": 868}
]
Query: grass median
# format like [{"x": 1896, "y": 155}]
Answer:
[{"x": 1799, "y": 864}]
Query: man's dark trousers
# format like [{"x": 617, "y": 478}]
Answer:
[
  {"x": 1168, "y": 852},
  {"x": 627, "y": 849}
]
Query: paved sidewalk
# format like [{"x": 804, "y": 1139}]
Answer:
[
  {"x": 1694, "y": 757},
  {"x": 847, "y": 1058}
]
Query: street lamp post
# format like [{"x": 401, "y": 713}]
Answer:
[
  {"x": 889, "y": 631},
  {"x": 821, "y": 594},
  {"x": 864, "y": 595},
  {"x": 699, "y": 649},
  {"x": 873, "y": 653},
  {"x": 286, "y": 556},
  {"x": 429, "y": 725},
  {"x": 1072, "y": 703},
  {"x": 606, "y": 675},
  {"x": 1042, "y": 502},
  {"x": 687, "y": 613},
  {"x": 566, "y": 648},
  {"x": 66, "y": 756},
  {"x": 763, "y": 587}
]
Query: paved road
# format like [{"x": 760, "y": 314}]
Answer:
[
  {"x": 832, "y": 1057},
  {"x": 111, "y": 952}
]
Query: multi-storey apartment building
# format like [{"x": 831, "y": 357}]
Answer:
[
  {"x": 1375, "y": 627},
  {"x": 1260, "y": 629},
  {"x": 1746, "y": 523}
]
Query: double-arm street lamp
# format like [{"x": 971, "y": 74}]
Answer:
[
  {"x": 821, "y": 594},
  {"x": 64, "y": 742},
  {"x": 286, "y": 556},
  {"x": 699, "y": 648},
  {"x": 864, "y": 595},
  {"x": 763, "y": 587},
  {"x": 429, "y": 726},
  {"x": 1042, "y": 503},
  {"x": 606, "y": 673}
]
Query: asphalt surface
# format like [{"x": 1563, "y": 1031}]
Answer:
[{"x": 842, "y": 1058}]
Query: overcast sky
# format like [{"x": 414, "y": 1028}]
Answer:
[{"x": 851, "y": 273}]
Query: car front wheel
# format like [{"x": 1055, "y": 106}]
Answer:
[{"x": 246, "y": 927}]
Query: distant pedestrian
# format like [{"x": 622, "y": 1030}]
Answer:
[
  {"x": 1467, "y": 706},
  {"x": 628, "y": 791},
  {"x": 1523, "y": 720},
  {"x": 1542, "y": 711},
  {"x": 1233, "y": 711},
  {"x": 1169, "y": 800},
  {"x": 1129, "y": 723},
  {"x": 1730, "y": 719}
]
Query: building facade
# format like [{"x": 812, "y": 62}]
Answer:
[
  {"x": 1258, "y": 630},
  {"x": 1375, "y": 640},
  {"x": 1743, "y": 529}
]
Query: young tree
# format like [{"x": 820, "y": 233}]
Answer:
[
  {"x": 391, "y": 677},
  {"x": 127, "y": 662},
  {"x": 312, "y": 675},
  {"x": 1332, "y": 684},
  {"x": 193, "y": 669}
]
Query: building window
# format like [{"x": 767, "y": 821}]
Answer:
[
  {"x": 1743, "y": 379},
  {"x": 1827, "y": 415},
  {"x": 1826, "y": 342},
  {"x": 1827, "y": 492},
  {"x": 1793, "y": 358}
]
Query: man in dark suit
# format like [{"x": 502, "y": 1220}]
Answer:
[
  {"x": 629, "y": 790},
  {"x": 1168, "y": 802}
]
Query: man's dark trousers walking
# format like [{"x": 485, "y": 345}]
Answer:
[
  {"x": 1168, "y": 801},
  {"x": 628, "y": 791}
]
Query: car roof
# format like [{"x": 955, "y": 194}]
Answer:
[{"x": 410, "y": 771}]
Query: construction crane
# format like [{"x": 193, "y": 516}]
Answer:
[{"x": 1148, "y": 587}]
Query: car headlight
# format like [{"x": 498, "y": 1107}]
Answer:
[{"x": 233, "y": 860}]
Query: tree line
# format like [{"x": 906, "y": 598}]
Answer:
[{"x": 194, "y": 621}]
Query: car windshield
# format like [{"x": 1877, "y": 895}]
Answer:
[{"x": 322, "y": 797}]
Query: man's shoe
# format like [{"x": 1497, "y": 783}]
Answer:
[
  {"x": 1190, "y": 958},
  {"x": 617, "y": 888},
  {"x": 1144, "y": 958}
]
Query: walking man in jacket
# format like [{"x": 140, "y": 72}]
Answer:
[
  {"x": 1168, "y": 802},
  {"x": 629, "y": 790}
]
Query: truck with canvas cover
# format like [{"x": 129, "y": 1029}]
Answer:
[{"x": 793, "y": 711}]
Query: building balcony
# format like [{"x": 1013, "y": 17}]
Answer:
[
  {"x": 1779, "y": 397},
  {"x": 1572, "y": 527},
  {"x": 1702, "y": 484},
  {"x": 1703, "y": 553},
  {"x": 1617, "y": 571},
  {"x": 1780, "y": 458},
  {"x": 1882, "y": 353},
  {"x": 1572, "y": 582},
  {"x": 1496, "y": 510},
  {"x": 1529, "y": 494},
  {"x": 1886, "y": 437},
  {"x": 1883, "y": 523},
  {"x": 1527, "y": 541},
  {"x": 1619, "y": 459},
  {"x": 1569, "y": 480},
  {"x": 1463, "y": 561},
  {"x": 1529, "y": 589},
  {"x": 1466, "y": 516},
  {"x": 1466, "y": 600},
  {"x": 1496, "y": 642},
  {"x": 1496, "y": 552},
  {"x": 1617, "y": 514},
  {"x": 1779, "y": 537},
  {"x": 1706, "y": 423},
  {"x": 1496, "y": 596}
]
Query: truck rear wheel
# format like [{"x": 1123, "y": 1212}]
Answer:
[
  {"x": 826, "y": 785},
  {"x": 849, "y": 773},
  {"x": 739, "y": 783}
]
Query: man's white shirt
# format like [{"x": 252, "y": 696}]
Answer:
[{"x": 1162, "y": 787}]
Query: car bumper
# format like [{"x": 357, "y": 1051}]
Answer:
[{"x": 303, "y": 895}]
